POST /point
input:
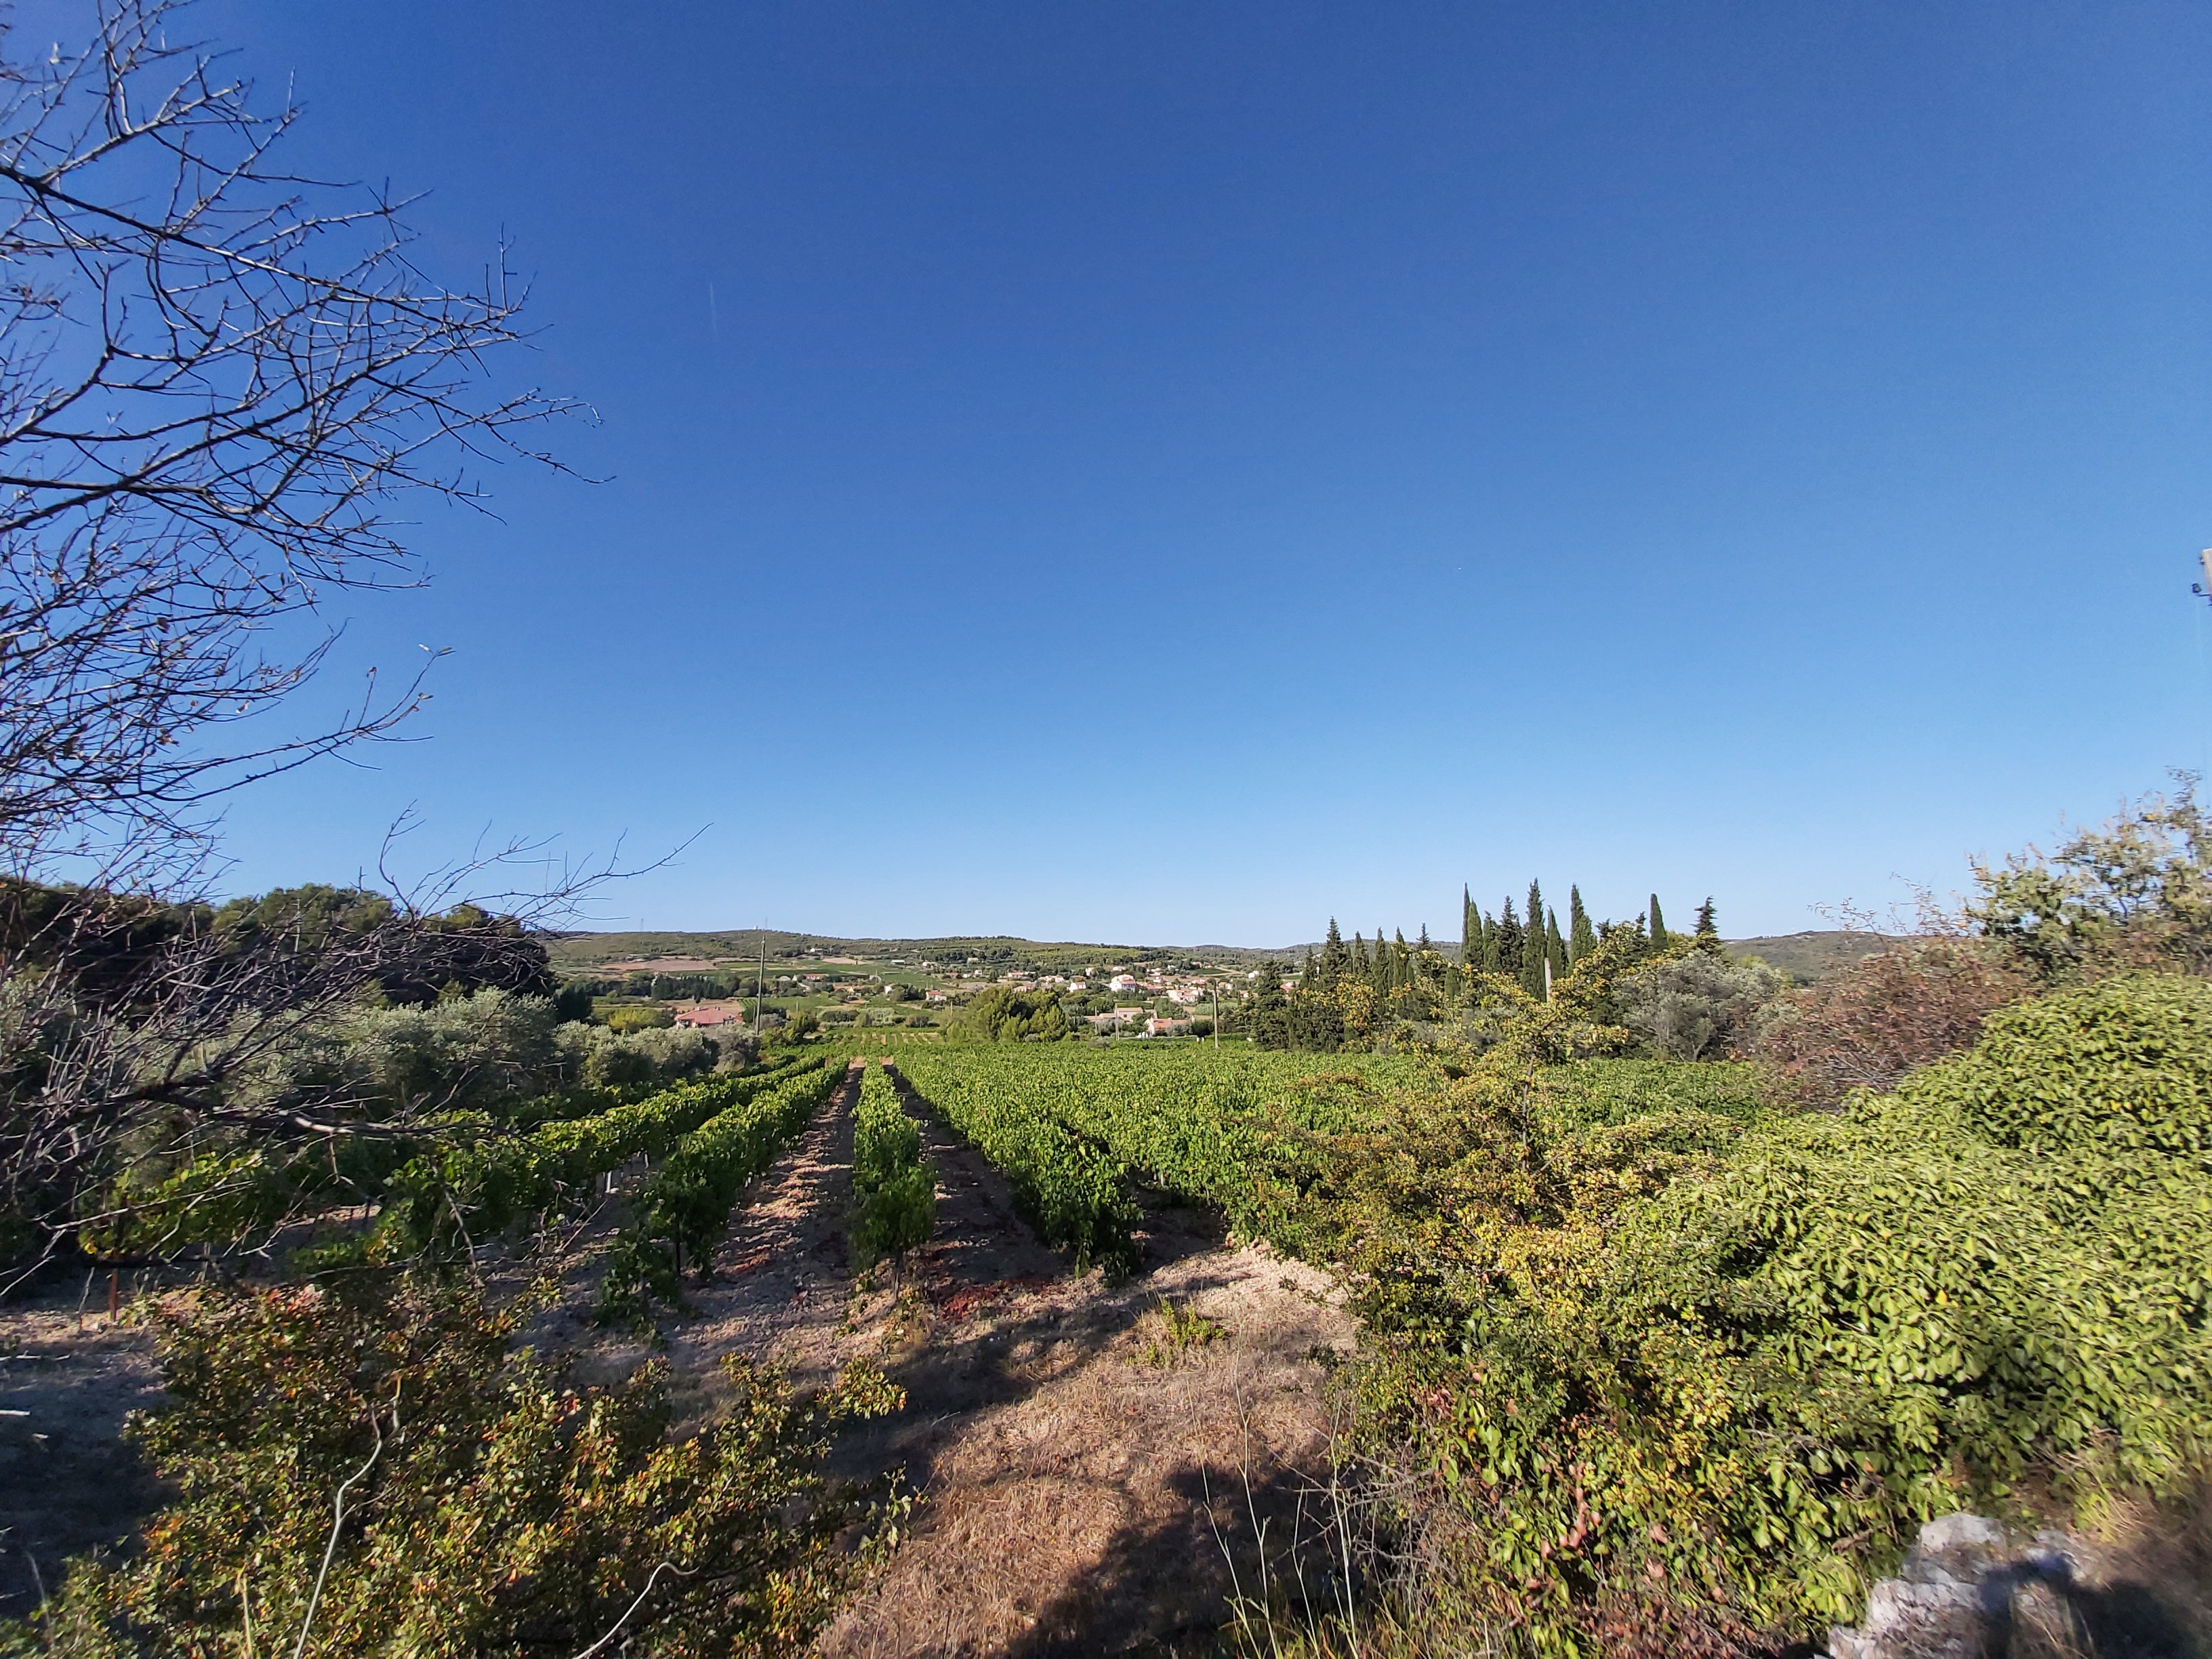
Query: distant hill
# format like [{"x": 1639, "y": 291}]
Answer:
[
  {"x": 1804, "y": 957},
  {"x": 1810, "y": 956},
  {"x": 579, "y": 952}
]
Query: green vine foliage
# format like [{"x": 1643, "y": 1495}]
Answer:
[
  {"x": 684, "y": 1205},
  {"x": 1072, "y": 1189},
  {"x": 894, "y": 1193},
  {"x": 483, "y": 1185},
  {"x": 490, "y": 1505},
  {"x": 1681, "y": 1382}
]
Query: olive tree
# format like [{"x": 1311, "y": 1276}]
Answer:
[{"x": 1698, "y": 1005}]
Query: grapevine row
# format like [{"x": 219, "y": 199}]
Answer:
[
  {"x": 1072, "y": 1189},
  {"x": 894, "y": 1194},
  {"x": 481, "y": 1187},
  {"x": 684, "y": 1207}
]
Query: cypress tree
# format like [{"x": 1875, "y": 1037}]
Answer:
[
  {"x": 1333, "y": 957},
  {"x": 1509, "y": 942},
  {"x": 1658, "y": 924},
  {"x": 1386, "y": 969},
  {"x": 1555, "y": 945},
  {"x": 1401, "y": 960},
  {"x": 1470, "y": 931},
  {"x": 1582, "y": 938},
  {"x": 1360, "y": 965},
  {"x": 1534, "y": 950},
  {"x": 1493, "y": 943}
]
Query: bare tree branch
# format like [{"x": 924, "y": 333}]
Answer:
[{"x": 217, "y": 379}]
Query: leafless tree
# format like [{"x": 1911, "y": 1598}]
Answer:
[{"x": 217, "y": 379}]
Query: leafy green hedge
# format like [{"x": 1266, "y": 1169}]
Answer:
[
  {"x": 1698, "y": 1378},
  {"x": 684, "y": 1207},
  {"x": 894, "y": 1193}
]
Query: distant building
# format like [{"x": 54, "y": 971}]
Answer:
[
  {"x": 1166, "y": 1027},
  {"x": 701, "y": 1019},
  {"x": 1121, "y": 982}
]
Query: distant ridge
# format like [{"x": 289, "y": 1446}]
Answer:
[
  {"x": 578, "y": 951},
  {"x": 1810, "y": 956},
  {"x": 1804, "y": 957}
]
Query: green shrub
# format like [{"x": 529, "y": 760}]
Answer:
[
  {"x": 1689, "y": 1380},
  {"x": 490, "y": 1503}
]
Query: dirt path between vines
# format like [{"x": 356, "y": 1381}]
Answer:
[
  {"x": 1079, "y": 1476},
  {"x": 1079, "y": 1489}
]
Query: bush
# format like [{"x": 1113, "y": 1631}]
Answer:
[
  {"x": 1698, "y": 1005},
  {"x": 998, "y": 1015},
  {"x": 623, "y": 1021},
  {"x": 491, "y": 1504},
  {"x": 1684, "y": 1383},
  {"x": 474, "y": 1053},
  {"x": 603, "y": 1057},
  {"x": 1867, "y": 1025},
  {"x": 2134, "y": 893}
]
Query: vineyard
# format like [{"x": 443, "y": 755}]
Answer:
[
  {"x": 1077, "y": 1131},
  {"x": 1625, "y": 1350}
]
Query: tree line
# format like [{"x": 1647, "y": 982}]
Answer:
[{"x": 1351, "y": 994}]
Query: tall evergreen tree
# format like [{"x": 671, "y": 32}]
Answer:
[
  {"x": 1493, "y": 943},
  {"x": 1658, "y": 924},
  {"x": 1334, "y": 957},
  {"x": 1582, "y": 938},
  {"x": 1401, "y": 960},
  {"x": 1555, "y": 945},
  {"x": 1534, "y": 951},
  {"x": 1386, "y": 966},
  {"x": 1509, "y": 941},
  {"x": 1470, "y": 931},
  {"x": 1708, "y": 928},
  {"x": 1360, "y": 965}
]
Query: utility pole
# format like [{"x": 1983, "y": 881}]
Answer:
[{"x": 760, "y": 980}]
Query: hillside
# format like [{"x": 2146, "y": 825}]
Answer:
[
  {"x": 578, "y": 952},
  {"x": 1804, "y": 957},
  {"x": 1810, "y": 956}
]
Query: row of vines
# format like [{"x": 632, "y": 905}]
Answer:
[
  {"x": 1649, "y": 1358},
  {"x": 683, "y": 1207},
  {"x": 894, "y": 1192}
]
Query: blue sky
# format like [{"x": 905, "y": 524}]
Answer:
[{"x": 1160, "y": 472}]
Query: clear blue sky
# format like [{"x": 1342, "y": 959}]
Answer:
[{"x": 1168, "y": 472}]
